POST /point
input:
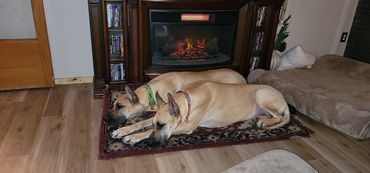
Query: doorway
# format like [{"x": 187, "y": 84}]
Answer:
[{"x": 25, "y": 60}]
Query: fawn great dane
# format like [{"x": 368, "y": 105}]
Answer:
[
  {"x": 213, "y": 104},
  {"x": 134, "y": 103}
]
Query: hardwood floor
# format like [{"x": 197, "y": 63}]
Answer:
[{"x": 56, "y": 130}]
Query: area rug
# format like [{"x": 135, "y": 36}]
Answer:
[
  {"x": 273, "y": 161},
  {"x": 238, "y": 133}
]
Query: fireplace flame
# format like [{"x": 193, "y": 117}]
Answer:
[
  {"x": 190, "y": 49},
  {"x": 189, "y": 44}
]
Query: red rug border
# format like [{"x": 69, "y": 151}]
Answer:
[
  {"x": 101, "y": 131},
  {"x": 102, "y": 156}
]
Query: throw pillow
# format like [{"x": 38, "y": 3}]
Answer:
[
  {"x": 275, "y": 60},
  {"x": 296, "y": 57}
]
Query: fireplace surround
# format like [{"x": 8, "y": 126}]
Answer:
[
  {"x": 158, "y": 36},
  {"x": 196, "y": 38},
  {"x": 193, "y": 35}
]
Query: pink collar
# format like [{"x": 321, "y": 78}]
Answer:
[{"x": 187, "y": 97}]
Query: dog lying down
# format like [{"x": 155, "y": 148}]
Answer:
[
  {"x": 134, "y": 103},
  {"x": 211, "y": 104}
]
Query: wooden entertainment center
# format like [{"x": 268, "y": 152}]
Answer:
[{"x": 122, "y": 33}]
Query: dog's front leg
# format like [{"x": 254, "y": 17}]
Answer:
[
  {"x": 135, "y": 138},
  {"x": 185, "y": 128},
  {"x": 123, "y": 131},
  {"x": 188, "y": 126}
]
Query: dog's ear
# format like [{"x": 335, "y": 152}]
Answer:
[
  {"x": 131, "y": 95},
  {"x": 160, "y": 101},
  {"x": 173, "y": 108}
]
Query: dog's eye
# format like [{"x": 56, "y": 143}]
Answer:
[
  {"x": 118, "y": 106},
  {"x": 160, "y": 125}
]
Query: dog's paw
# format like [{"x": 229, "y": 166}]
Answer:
[
  {"x": 260, "y": 124},
  {"x": 121, "y": 132},
  {"x": 116, "y": 134},
  {"x": 132, "y": 139},
  {"x": 264, "y": 123}
]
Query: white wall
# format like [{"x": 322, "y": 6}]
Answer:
[
  {"x": 69, "y": 37},
  {"x": 317, "y": 25}
]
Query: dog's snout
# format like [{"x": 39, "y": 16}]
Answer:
[
  {"x": 120, "y": 120},
  {"x": 151, "y": 141},
  {"x": 156, "y": 140},
  {"x": 113, "y": 119},
  {"x": 163, "y": 141}
]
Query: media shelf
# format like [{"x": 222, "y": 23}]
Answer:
[
  {"x": 115, "y": 25},
  {"x": 109, "y": 26},
  {"x": 261, "y": 13}
]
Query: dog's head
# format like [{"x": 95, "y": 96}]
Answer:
[
  {"x": 126, "y": 105},
  {"x": 165, "y": 120}
]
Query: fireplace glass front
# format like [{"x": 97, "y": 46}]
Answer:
[{"x": 192, "y": 38}]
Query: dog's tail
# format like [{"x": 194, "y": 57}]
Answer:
[{"x": 285, "y": 119}]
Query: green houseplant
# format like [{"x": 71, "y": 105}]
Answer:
[{"x": 280, "y": 44}]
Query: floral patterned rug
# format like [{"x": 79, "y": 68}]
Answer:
[{"x": 238, "y": 133}]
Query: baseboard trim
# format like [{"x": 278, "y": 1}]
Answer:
[{"x": 73, "y": 80}]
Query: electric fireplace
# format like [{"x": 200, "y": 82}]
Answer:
[{"x": 183, "y": 38}]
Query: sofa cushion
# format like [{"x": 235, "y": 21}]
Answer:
[{"x": 335, "y": 91}]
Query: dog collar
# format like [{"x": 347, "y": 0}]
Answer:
[
  {"x": 149, "y": 92},
  {"x": 187, "y": 97}
]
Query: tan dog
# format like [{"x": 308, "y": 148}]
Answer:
[
  {"x": 135, "y": 103},
  {"x": 212, "y": 104}
]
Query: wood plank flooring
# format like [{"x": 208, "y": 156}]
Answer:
[{"x": 56, "y": 131}]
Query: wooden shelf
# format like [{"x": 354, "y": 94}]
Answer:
[
  {"x": 118, "y": 82},
  {"x": 256, "y": 52},
  {"x": 260, "y": 29},
  {"x": 114, "y": 1},
  {"x": 115, "y": 29},
  {"x": 114, "y": 60},
  {"x": 116, "y": 57}
]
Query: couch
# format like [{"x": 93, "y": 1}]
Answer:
[{"x": 335, "y": 92}]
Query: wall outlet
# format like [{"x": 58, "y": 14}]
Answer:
[{"x": 343, "y": 38}]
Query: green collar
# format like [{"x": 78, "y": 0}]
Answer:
[{"x": 149, "y": 91}]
